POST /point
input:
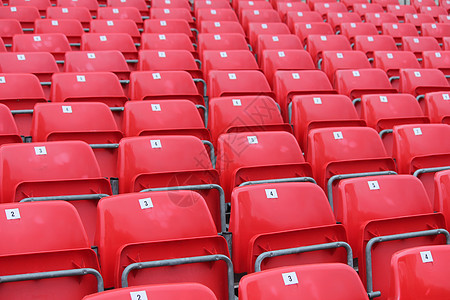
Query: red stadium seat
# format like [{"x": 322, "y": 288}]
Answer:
[
  {"x": 277, "y": 42},
  {"x": 41, "y": 5},
  {"x": 419, "y": 44},
  {"x": 111, "y": 41},
  {"x": 399, "y": 30},
  {"x": 8, "y": 129},
  {"x": 81, "y": 14},
  {"x": 341, "y": 60},
  {"x": 304, "y": 30},
  {"x": 71, "y": 28},
  {"x": 9, "y": 28},
  {"x": 418, "y": 19},
  {"x": 120, "y": 13},
  {"x": 436, "y": 107},
  {"x": 370, "y": 44},
  {"x": 116, "y": 26},
  {"x": 400, "y": 10},
  {"x": 173, "y": 13},
  {"x": 364, "y": 8},
  {"x": 55, "y": 43},
  {"x": 228, "y": 60},
  {"x": 257, "y": 29},
  {"x": 351, "y": 30},
  {"x": 141, "y": 5},
  {"x": 335, "y": 19},
  {"x": 258, "y": 16},
  {"x": 219, "y": 27},
  {"x": 438, "y": 31},
  {"x": 418, "y": 82},
  {"x": 168, "y": 26},
  {"x": 91, "y": 5},
  {"x": 378, "y": 19},
  {"x": 302, "y": 17},
  {"x": 24, "y": 14},
  {"x": 319, "y": 43}
]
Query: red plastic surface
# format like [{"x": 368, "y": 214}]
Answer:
[
  {"x": 228, "y": 60},
  {"x": 116, "y": 26},
  {"x": 370, "y": 44},
  {"x": 318, "y": 43},
  {"x": 421, "y": 81},
  {"x": 115, "y": 13},
  {"x": 55, "y": 43},
  {"x": 71, "y": 28},
  {"x": 81, "y": 14},
  {"x": 111, "y": 41},
  {"x": 436, "y": 107},
  {"x": 341, "y": 60}
]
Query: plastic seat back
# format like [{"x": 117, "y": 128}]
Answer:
[
  {"x": 419, "y": 44},
  {"x": 256, "y": 29},
  {"x": 81, "y": 14},
  {"x": 141, "y": 5},
  {"x": 253, "y": 156},
  {"x": 173, "y": 13},
  {"x": 92, "y": 123},
  {"x": 277, "y": 42},
  {"x": 176, "y": 117},
  {"x": 345, "y": 150},
  {"x": 437, "y": 60},
  {"x": 378, "y": 19},
  {"x": 228, "y": 60},
  {"x": 258, "y": 16},
  {"x": 319, "y": 43},
  {"x": 120, "y": 13},
  {"x": 258, "y": 226},
  {"x": 304, "y": 30},
  {"x": 41, "y": 5},
  {"x": 341, "y": 60},
  {"x": 350, "y": 30},
  {"x": 401, "y": 206},
  {"x": 369, "y": 44},
  {"x": 8, "y": 129},
  {"x": 244, "y": 114},
  {"x": 363, "y": 8},
  {"x": 319, "y": 111},
  {"x": 438, "y": 31},
  {"x": 166, "y": 41},
  {"x": 219, "y": 27},
  {"x": 181, "y": 226},
  {"x": 225, "y": 42},
  {"x": 116, "y": 26},
  {"x": 436, "y": 107},
  {"x": 418, "y": 19},
  {"x": 286, "y": 282},
  {"x": 168, "y": 26},
  {"x": 64, "y": 246},
  {"x": 431, "y": 262},
  {"x": 400, "y": 10},
  {"x": 302, "y": 17},
  {"x": 335, "y": 19},
  {"x": 421, "y": 81},
  {"x": 325, "y": 7},
  {"x": 55, "y": 43},
  {"x": 71, "y": 28},
  {"x": 160, "y": 85},
  {"x": 24, "y": 14},
  {"x": 9, "y": 28},
  {"x": 399, "y": 30}
]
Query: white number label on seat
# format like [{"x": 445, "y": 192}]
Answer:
[
  {"x": 13, "y": 9},
  {"x": 12, "y": 214},
  {"x": 295, "y": 75},
  {"x": 373, "y": 185},
  {"x": 417, "y": 74},
  {"x": 156, "y": 76},
  {"x": 67, "y": 109},
  {"x": 232, "y": 76},
  {"x": 91, "y": 55},
  {"x": 2, "y": 79},
  {"x": 339, "y": 55},
  {"x": 437, "y": 54},
  {"x": 217, "y": 37},
  {"x": 252, "y": 140},
  {"x": 156, "y": 107},
  {"x": 264, "y": 26},
  {"x": 55, "y": 23},
  {"x": 446, "y": 96},
  {"x": 275, "y": 39},
  {"x": 81, "y": 78},
  {"x": 237, "y": 102},
  {"x": 390, "y": 56},
  {"x": 146, "y": 203},
  {"x": 163, "y": 23},
  {"x": 290, "y": 278},
  {"x": 115, "y": 11},
  {"x": 317, "y": 100},
  {"x": 338, "y": 135},
  {"x": 37, "y": 38},
  {"x": 110, "y": 23},
  {"x": 417, "y": 131},
  {"x": 40, "y": 150},
  {"x": 426, "y": 256},
  {"x": 356, "y": 74},
  {"x": 156, "y": 144},
  {"x": 271, "y": 194},
  {"x": 103, "y": 38},
  {"x": 223, "y": 54},
  {"x": 161, "y": 54},
  {"x": 281, "y": 54},
  {"x": 383, "y": 99},
  {"x": 141, "y": 295},
  {"x": 20, "y": 57},
  {"x": 162, "y": 37}
]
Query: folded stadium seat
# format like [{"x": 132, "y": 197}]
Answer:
[
  {"x": 436, "y": 107},
  {"x": 90, "y": 87},
  {"x": 92, "y": 5},
  {"x": 318, "y": 281},
  {"x": 208, "y": 4},
  {"x": 172, "y": 14},
  {"x": 321, "y": 111},
  {"x": 289, "y": 59},
  {"x": 350, "y": 30},
  {"x": 99, "y": 61},
  {"x": 190, "y": 251},
  {"x": 392, "y": 62},
  {"x": 287, "y": 84},
  {"x": 382, "y": 215},
  {"x": 364, "y": 8},
  {"x": 444, "y": 18},
  {"x": 418, "y": 19},
  {"x": 216, "y": 15},
  {"x": 302, "y": 17},
  {"x": 161, "y": 161},
  {"x": 56, "y": 44},
  {"x": 121, "y": 42},
  {"x": 141, "y": 5},
  {"x": 420, "y": 150},
  {"x": 418, "y": 82},
  {"x": 318, "y": 43},
  {"x": 253, "y": 5},
  {"x": 9, "y": 28},
  {"x": 228, "y": 60},
  {"x": 398, "y": 31},
  {"x": 420, "y": 272},
  {"x": 167, "y": 41},
  {"x": 117, "y": 26},
  {"x": 120, "y": 13},
  {"x": 419, "y": 3},
  {"x": 277, "y": 42},
  {"x": 383, "y": 112},
  {"x": 419, "y": 44},
  {"x": 8, "y": 128},
  {"x": 356, "y": 83},
  {"x": 65, "y": 170},
  {"x": 24, "y": 14},
  {"x": 63, "y": 251},
  {"x": 20, "y": 92},
  {"x": 284, "y": 7},
  {"x": 400, "y": 10},
  {"x": 244, "y": 114},
  {"x": 71, "y": 28},
  {"x": 188, "y": 291},
  {"x": 336, "y": 153},
  {"x": 168, "y": 117},
  {"x": 237, "y": 83},
  {"x": 378, "y": 19},
  {"x": 303, "y": 30},
  {"x": 257, "y": 29},
  {"x": 341, "y": 60},
  {"x": 385, "y": 3},
  {"x": 169, "y": 26},
  {"x": 161, "y": 85},
  {"x": 81, "y": 14},
  {"x": 323, "y": 8},
  {"x": 220, "y": 27},
  {"x": 336, "y": 19},
  {"x": 90, "y": 122},
  {"x": 438, "y": 31},
  {"x": 441, "y": 198},
  {"x": 301, "y": 218},
  {"x": 171, "y": 4},
  {"x": 258, "y": 16},
  {"x": 434, "y": 11},
  {"x": 371, "y": 43},
  {"x": 437, "y": 60},
  {"x": 254, "y": 156},
  {"x": 311, "y": 3},
  {"x": 41, "y": 64},
  {"x": 41, "y": 5}
]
